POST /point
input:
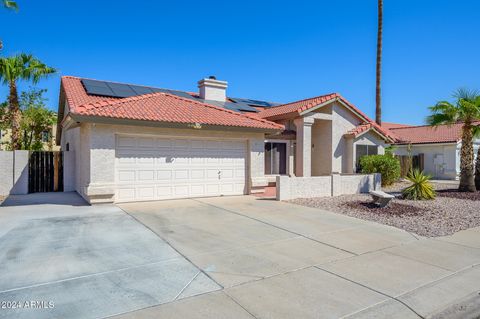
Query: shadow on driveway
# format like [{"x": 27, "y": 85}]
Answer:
[{"x": 60, "y": 198}]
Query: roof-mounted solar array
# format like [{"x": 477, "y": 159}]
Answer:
[
  {"x": 110, "y": 89},
  {"x": 253, "y": 102},
  {"x": 120, "y": 90}
]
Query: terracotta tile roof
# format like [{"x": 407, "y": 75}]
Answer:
[
  {"x": 428, "y": 134},
  {"x": 389, "y": 125},
  {"x": 161, "y": 107},
  {"x": 360, "y": 129},
  {"x": 294, "y": 109}
]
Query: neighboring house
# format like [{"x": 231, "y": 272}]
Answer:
[
  {"x": 130, "y": 143},
  {"x": 48, "y": 139},
  {"x": 439, "y": 145}
]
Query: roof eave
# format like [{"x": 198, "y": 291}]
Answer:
[{"x": 135, "y": 122}]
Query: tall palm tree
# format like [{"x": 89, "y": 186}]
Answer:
[
  {"x": 378, "y": 98},
  {"x": 466, "y": 110},
  {"x": 13, "y": 69},
  {"x": 8, "y": 4}
]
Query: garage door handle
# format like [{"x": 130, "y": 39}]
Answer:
[{"x": 219, "y": 174}]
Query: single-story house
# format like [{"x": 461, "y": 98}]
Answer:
[
  {"x": 126, "y": 142},
  {"x": 439, "y": 146}
]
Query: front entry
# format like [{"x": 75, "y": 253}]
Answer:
[{"x": 275, "y": 158}]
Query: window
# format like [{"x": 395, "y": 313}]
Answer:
[
  {"x": 275, "y": 158},
  {"x": 363, "y": 150},
  {"x": 45, "y": 136}
]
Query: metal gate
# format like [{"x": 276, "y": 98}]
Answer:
[{"x": 45, "y": 172}]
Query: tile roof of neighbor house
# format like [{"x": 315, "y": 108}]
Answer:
[
  {"x": 298, "y": 107},
  {"x": 162, "y": 107},
  {"x": 360, "y": 129},
  {"x": 427, "y": 134},
  {"x": 390, "y": 125}
]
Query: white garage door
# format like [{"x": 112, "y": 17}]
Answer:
[{"x": 150, "y": 168}]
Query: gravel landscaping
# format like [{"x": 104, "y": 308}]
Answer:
[{"x": 450, "y": 212}]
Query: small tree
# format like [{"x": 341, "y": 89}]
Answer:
[
  {"x": 36, "y": 119},
  {"x": 477, "y": 171}
]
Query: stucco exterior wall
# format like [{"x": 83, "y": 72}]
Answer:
[
  {"x": 440, "y": 160},
  {"x": 343, "y": 121},
  {"x": 322, "y": 148},
  {"x": 14, "y": 172},
  {"x": 325, "y": 186},
  {"x": 94, "y": 146},
  {"x": 6, "y": 172}
]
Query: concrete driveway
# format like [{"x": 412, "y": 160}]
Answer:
[
  {"x": 62, "y": 259},
  {"x": 231, "y": 257}
]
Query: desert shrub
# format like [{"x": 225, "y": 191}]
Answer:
[
  {"x": 388, "y": 166},
  {"x": 421, "y": 187}
]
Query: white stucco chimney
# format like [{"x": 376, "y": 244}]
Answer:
[{"x": 213, "y": 89}]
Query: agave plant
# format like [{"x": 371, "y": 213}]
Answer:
[{"x": 421, "y": 187}]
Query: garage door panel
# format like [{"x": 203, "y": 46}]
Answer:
[
  {"x": 146, "y": 192},
  {"x": 150, "y": 168},
  {"x": 181, "y": 190},
  {"x": 126, "y": 193},
  {"x": 213, "y": 189},
  {"x": 181, "y": 174},
  {"x": 164, "y": 192},
  {"x": 126, "y": 176},
  {"x": 164, "y": 175},
  {"x": 197, "y": 174},
  {"x": 197, "y": 190},
  {"x": 145, "y": 175}
]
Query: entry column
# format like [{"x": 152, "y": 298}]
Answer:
[{"x": 304, "y": 146}]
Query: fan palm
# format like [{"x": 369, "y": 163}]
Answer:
[
  {"x": 466, "y": 110},
  {"x": 13, "y": 69},
  {"x": 8, "y": 4}
]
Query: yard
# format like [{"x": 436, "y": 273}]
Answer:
[{"x": 450, "y": 212}]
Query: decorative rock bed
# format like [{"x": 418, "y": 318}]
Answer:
[{"x": 450, "y": 212}]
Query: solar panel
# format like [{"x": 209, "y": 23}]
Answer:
[
  {"x": 252, "y": 102},
  {"x": 110, "y": 89},
  {"x": 99, "y": 90},
  {"x": 141, "y": 89}
]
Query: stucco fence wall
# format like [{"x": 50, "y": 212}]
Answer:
[
  {"x": 326, "y": 186},
  {"x": 13, "y": 173}
]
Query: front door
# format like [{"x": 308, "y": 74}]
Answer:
[{"x": 275, "y": 158}]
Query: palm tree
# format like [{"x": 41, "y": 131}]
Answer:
[
  {"x": 477, "y": 171},
  {"x": 378, "y": 98},
  {"x": 12, "y": 69},
  {"x": 466, "y": 110},
  {"x": 8, "y": 4}
]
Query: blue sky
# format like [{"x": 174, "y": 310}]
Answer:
[{"x": 279, "y": 51}]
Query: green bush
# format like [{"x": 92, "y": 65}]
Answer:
[
  {"x": 388, "y": 166},
  {"x": 421, "y": 187}
]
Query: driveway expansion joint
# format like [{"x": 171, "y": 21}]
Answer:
[
  {"x": 275, "y": 226},
  {"x": 374, "y": 290},
  {"x": 174, "y": 248}
]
